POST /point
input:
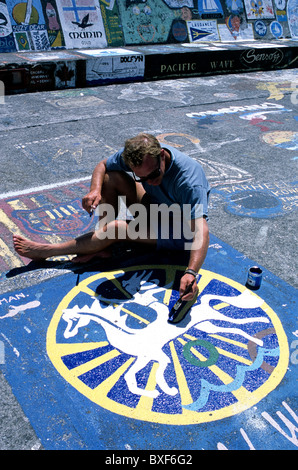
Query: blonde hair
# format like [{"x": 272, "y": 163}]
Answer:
[{"x": 137, "y": 147}]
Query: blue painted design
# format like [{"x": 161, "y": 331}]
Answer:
[
  {"x": 207, "y": 387},
  {"x": 260, "y": 28},
  {"x": 235, "y": 6},
  {"x": 99, "y": 374},
  {"x": 212, "y": 9},
  {"x": 262, "y": 201},
  {"x": 74, "y": 360},
  {"x": 276, "y": 29},
  {"x": 36, "y": 4},
  {"x": 65, "y": 419},
  {"x": 291, "y": 144},
  {"x": 94, "y": 316},
  {"x": 62, "y": 219},
  {"x": 76, "y": 9}
]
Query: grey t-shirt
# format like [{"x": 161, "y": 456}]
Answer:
[{"x": 183, "y": 183}]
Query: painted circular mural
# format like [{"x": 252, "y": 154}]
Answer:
[{"x": 110, "y": 339}]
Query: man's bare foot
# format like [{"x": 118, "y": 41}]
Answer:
[{"x": 30, "y": 249}]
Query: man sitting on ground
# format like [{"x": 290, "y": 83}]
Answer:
[{"x": 149, "y": 176}]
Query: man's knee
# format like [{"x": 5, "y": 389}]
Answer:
[
  {"x": 117, "y": 179},
  {"x": 113, "y": 231},
  {"x": 116, "y": 183},
  {"x": 120, "y": 184}
]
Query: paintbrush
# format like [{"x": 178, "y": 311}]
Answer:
[
  {"x": 91, "y": 211},
  {"x": 174, "y": 315}
]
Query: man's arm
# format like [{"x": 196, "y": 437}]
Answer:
[
  {"x": 93, "y": 198},
  {"x": 197, "y": 256}
]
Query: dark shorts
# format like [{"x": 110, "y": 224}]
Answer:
[{"x": 170, "y": 229}]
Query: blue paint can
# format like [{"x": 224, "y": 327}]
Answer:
[{"x": 254, "y": 278}]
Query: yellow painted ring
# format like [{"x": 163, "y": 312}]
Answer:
[{"x": 143, "y": 411}]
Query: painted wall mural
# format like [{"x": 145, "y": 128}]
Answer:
[{"x": 81, "y": 24}]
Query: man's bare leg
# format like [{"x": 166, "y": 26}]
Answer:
[
  {"x": 107, "y": 253},
  {"x": 116, "y": 184},
  {"x": 89, "y": 244}
]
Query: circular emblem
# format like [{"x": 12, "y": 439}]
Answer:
[
  {"x": 252, "y": 203},
  {"x": 276, "y": 29},
  {"x": 260, "y": 28},
  {"x": 110, "y": 339},
  {"x": 179, "y": 31}
]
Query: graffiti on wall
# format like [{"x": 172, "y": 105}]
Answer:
[
  {"x": 28, "y": 25},
  {"x": 81, "y": 24},
  {"x": 7, "y": 43},
  {"x": 198, "y": 21},
  {"x": 108, "y": 65}
]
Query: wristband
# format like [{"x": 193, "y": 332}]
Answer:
[{"x": 191, "y": 271}]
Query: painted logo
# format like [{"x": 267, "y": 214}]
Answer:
[
  {"x": 64, "y": 219},
  {"x": 276, "y": 29},
  {"x": 202, "y": 30},
  {"x": 262, "y": 201},
  {"x": 110, "y": 339},
  {"x": 260, "y": 28},
  {"x": 260, "y": 58}
]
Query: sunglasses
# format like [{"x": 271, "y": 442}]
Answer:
[{"x": 154, "y": 174}]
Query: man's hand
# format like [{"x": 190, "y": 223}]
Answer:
[
  {"x": 186, "y": 280},
  {"x": 91, "y": 200}
]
